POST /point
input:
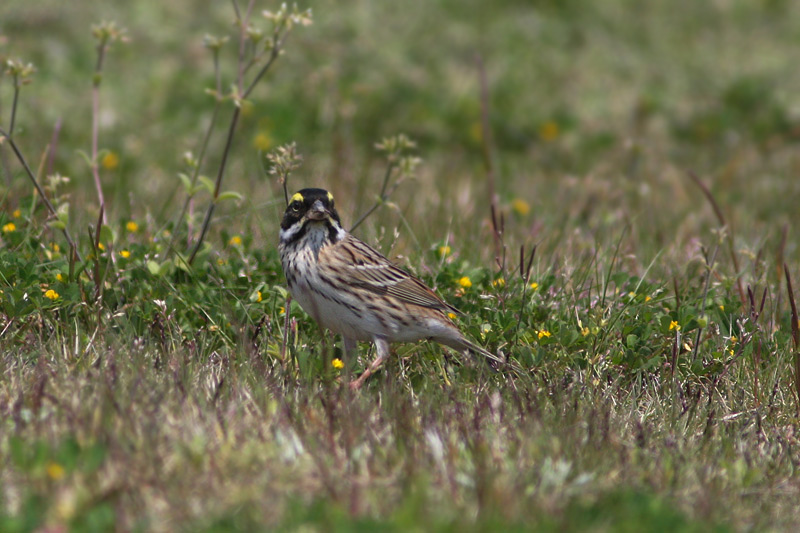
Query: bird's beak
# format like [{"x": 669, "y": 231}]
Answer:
[{"x": 317, "y": 211}]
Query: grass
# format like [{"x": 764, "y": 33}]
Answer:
[{"x": 653, "y": 322}]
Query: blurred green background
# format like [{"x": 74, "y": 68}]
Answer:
[{"x": 597, "y": 111}]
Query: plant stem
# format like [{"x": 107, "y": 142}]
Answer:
[
  {"x": 277, "y": 43},
  {"x": 486, "y": 145},
  {"x": 220, "y": 173},
  {"x": 101, "y": 52},
  {"x": 39, "y": 190},
  {"x": 14, "y": 108},
  {"x": 382, "y": 197}
]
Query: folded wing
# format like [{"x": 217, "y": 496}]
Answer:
[{"x": 370, "y": 270}]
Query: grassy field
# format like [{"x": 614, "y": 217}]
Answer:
[{"x": 156, "y": 378}]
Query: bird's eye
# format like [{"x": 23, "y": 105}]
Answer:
[{"x": 295, "y": 207}]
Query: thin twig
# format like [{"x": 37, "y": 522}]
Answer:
[
  {"x": 276, "y": 47},
  {"x": 96, "y": 244},
  {"x": 220, "y": 173},
  {"x": 754, "y": 316},
  {"x": 675, "y": 351},
  {"x": 718, "y": 212},
  {"x": 195, "y": 175},
  {"x": 486, "y": 143},
  {"x": 14, "y": 107},
  {"x": 382, "y": 197},
  {"x": 525, "y": 273},
  {"x": 779, "y": 261},
  {"x": 101, "y": 52},
  {"x": 607, "y": 281},
  {"x": 286, "y": 313},
  {"x": 243, "y": 21},
  {"x": 710, "y": 267},
  {"x": 795, "y": 334},
  {"x": 39, "y": 189}
]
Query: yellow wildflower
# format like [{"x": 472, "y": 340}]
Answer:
[
  {"x": 444, "y": 251},
  {"x": 125, "y": 254},
  {"x": 520, "y": 206},
  {"x": 465, "y": 282},
  {"x": 734, "y": 340},
  {"x": 534, "y": 285},
  {"x": 110, "y": 161},
  {"x": 647, "y": 298},
  {"x": 338, "y": 364},
  {"x": 8, "y": 228},
  {"x": 674, "y": 325},
  {"x": 56, "y": 248},
  {"x": 220, "y": 261},
  {"x": 55, "y": 471},
  {"x": 236, "y": 240},
  {"x": 51, "y": 294},
  {"x": 60, "y": 276},
  {"x": 17, "y": 213},
  {"x": 721, "y": 307},
  {"x": 499, "y": 282},
  {"x": 281, "y": 310},
  {"x": 258, "y": 296},
  {"x": 585, "y": 331},
  {"x": 132, "y": 226},
  {"x": 543, "y": 333},
  {"x": 451, "y": 316},
  {"x": 262, "y": 142},
  {"x": 549, "y": 131}
]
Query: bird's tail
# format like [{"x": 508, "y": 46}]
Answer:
[{"x": 495, "y": 361}]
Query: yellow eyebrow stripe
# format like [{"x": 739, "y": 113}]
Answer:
[
  {"x": 330, "y": 197},
  {"x": 297, "y": 197}
]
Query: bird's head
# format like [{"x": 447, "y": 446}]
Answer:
[{"x": 307, "y": 208}]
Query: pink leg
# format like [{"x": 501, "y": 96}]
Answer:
[{"x": 382, "y": 347}]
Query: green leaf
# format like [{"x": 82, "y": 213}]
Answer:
[
  {"x": 229, "y": 195},
  {"x": 182, "y": 262},
  {"x": 186, "y": 181},
  {"x": 280, "y": 290},
  {"x": 85, "y": 157},
  {"x": 204, "y": 182},
  {"x": 107, "y": 234},
  {"x": 631, "y": 341},
  {"x": 154, "y": 268}
]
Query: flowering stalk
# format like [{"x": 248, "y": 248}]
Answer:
[
  {"x": 214, "y": 44},
  {"x": 105, "y": 33},
  {"x": 283, "y": 21},
  {"x": 395, "y": 148},
  {"x": 20, "y": 75}
]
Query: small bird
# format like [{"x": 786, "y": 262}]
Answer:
[{"x": 350, "y": 288}]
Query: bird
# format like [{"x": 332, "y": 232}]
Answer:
[{"x": 350, "y": 288}]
